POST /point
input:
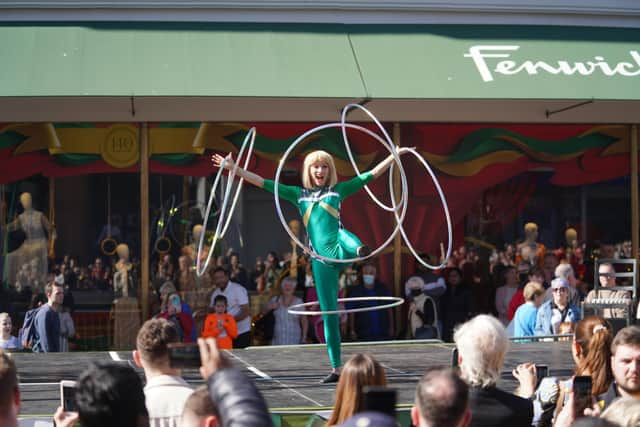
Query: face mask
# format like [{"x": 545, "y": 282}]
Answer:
[
  {"x": 368, "y": 279},
  {"x": 308, "y": 281},
  {"x": 416, "y": 292}
]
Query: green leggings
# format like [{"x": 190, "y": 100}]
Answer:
[{"x": 326, "y": 277}]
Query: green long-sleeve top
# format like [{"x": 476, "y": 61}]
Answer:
[{"x": 320, "y": 209}]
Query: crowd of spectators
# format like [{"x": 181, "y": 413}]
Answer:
[
  {"x": 109, "y": 394},
  {"x": 438, "y": 301},
  {"x": 475, "y": 280}
]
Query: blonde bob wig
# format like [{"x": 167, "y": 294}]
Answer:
[{"x": 323, "y": 157}]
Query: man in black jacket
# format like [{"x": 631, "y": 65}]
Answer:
[
  {"x": 238, "y": 401},
  {"x": 482, "y": 345}
]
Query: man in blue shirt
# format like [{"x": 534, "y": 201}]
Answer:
[
  {"x": 47, "y": 321},
  {"x": 524, "y": 321}
]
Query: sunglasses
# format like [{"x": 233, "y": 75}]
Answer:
[{"x": 560, "y": 290}]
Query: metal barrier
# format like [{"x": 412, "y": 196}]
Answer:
[{"x": 546, "y": 338}]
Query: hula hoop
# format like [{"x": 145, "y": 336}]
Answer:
[
  {"x": 104, "y": 246},
  {"x": 424, "y": 163},
  {"x": 220, "y": 229},
  {"x": 296, "y": 309},
  {"x": 446, "y": 214},
  {"x": 388, "y": 144},
  {"x": 403, "y": 202},
  {"x": 347, "y": 146}
]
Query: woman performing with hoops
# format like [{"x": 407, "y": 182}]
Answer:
[{"x": 319, "y": 204}]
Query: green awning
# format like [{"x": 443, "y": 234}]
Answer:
[
  {"x": 499, "y": 62},
  {"x": 319, "y": 61},
  {"x": 306, "y": 72},
  {"x": 175, "y": 60}
]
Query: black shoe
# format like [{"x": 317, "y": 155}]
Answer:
[
  {"x": 363, "y": 251},
  {"x": 331, "y": 378}
]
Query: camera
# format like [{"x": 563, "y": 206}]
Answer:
[
  {"x": 67, "y": 396},
  {"x": 184, "y": 355}
]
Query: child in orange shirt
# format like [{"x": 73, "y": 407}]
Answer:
[{"x": 220, "y": 325}]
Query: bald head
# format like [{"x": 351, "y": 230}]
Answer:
[{"x": 442, "y": 399}]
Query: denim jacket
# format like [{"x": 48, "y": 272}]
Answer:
[{"x": 543, "y": 320}]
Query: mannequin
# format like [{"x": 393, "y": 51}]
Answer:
[
  {"x": 125, "y": 309},
  {"x": 294, "y": 224},
  {"x": 566, "y": 252},
  {"x": 123, "y": 278},
  {"x": 191, "y": 250},
  {"x": 33, "y": 251},
  {"x": 535, "y": 251}
]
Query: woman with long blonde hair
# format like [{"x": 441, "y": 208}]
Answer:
[
  {"x": 359, "y": 371},
  {"x": 318, "y": 201}
]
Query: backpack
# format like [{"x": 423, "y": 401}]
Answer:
[{"x": 28, "y": 333}]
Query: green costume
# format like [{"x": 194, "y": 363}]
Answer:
[{"x": 320, "y": 210}]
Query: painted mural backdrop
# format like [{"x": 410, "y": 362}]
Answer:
[{"x": 468, "y": 159}]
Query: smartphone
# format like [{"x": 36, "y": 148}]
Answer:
[
  {"x": 582, "y": 396},
  {"x": 175, "y": 301},
  {"x": 184, "y": 355},
  {"x": 454, "y": 357},
  {"x": 542, "y": 371},
  {"x": 67, "y": 396},
  {"x": 379, "y": 399}
]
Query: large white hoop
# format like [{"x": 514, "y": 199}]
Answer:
[
  {"x": 220, "y": 228},
  {"x": 403, "y": 202},
  {"x": 388, "y": 144},
  {"x": 399, "y": 209},
  {"x": 296, "y": 309}
]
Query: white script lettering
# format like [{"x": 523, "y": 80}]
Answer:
[{"x": 507, "y": 66}]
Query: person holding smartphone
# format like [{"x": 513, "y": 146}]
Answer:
[
  {"x": 360, "y": 371},
  {"x": 172, "y": 311},
  {"x": 166, "y": 391},
  {"x": 220, "y": 325},
  {"x": 482, "y": 344},
  {"x": 591, "y": 350}
]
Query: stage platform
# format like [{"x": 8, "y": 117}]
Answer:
[{"x": 288, "y": 377}]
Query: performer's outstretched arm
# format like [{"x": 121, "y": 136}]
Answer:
[
  {"x": 250, "y": 177},
  {"x": 287, "y": 192},
  {"x": 381, "y": 167}
]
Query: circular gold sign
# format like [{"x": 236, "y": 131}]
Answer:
[{"x": 120, "y": 148}]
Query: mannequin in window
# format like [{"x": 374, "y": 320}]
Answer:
[
  {"x": 535, "y": 252},
  {"x": 125, "y": 308},
  {"x": 191, "y": 250},
  {"x": 123, "y": 279},
  {"x": 34, "y": 249}
]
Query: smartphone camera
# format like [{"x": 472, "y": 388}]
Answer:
[
  {"x": 184, "y": 355},
  {"x": 68, "y": 396},
  {"x": 454, "y": 357},
  {"x": 379, "y": 399},
  {"x": 175, "y": 301},
  {"x": 542, "y": 371},
  {"x": 581, "y": 394}
]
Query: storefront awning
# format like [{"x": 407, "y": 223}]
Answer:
[{"x": 208, "y": 71}]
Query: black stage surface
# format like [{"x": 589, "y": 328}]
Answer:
[{"x": 288, "y": 376}]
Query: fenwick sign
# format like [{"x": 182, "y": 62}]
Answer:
[{"x": 484, "y": 58}]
